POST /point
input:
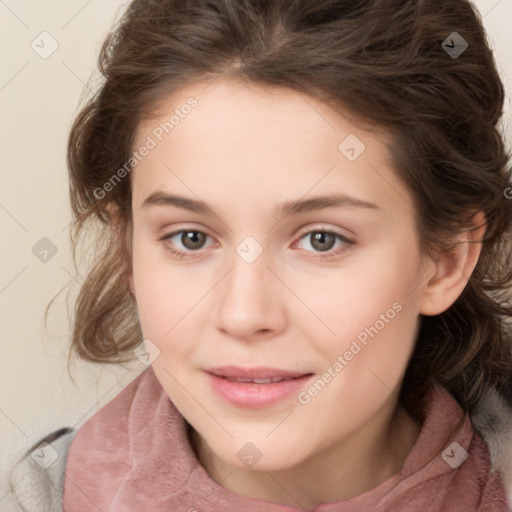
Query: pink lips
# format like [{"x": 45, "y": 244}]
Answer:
[{"x": 272, "y": 385}]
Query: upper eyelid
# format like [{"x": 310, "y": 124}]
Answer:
[{"x": 326, "y": 230}]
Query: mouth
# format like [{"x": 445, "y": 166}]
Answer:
[
  {"x": 255, "y": 373},
  {"x": 255, "y": 387},
  {"x": 256, "y": 381}
]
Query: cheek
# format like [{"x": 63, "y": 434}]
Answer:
[
  {"x": 164, "y": 293},
  {"x": 368, "y": 303}
]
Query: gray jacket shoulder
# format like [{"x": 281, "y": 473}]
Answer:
[
  {"x": 37, "y": 479},
  {"x": 492, "y": 418}
]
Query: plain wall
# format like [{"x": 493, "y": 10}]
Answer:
[{"x": 39, "y": 98}]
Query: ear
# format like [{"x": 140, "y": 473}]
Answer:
[
  {"x": 118, "y": 226},
  {"x": 453, "y": 268}
]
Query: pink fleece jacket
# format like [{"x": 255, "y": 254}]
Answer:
[{"x": 133, "y": 455}]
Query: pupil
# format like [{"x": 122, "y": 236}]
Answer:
[
  {"x": 192, "y": 239},
  {"x": 320, "y": 237}
]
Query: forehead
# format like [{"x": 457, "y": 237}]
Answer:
[
  {"x": 252, "y": 109},
  {"x": 255, "y": 139}
]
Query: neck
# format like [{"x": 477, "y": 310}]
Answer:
[{"x": 356, "y": 465}]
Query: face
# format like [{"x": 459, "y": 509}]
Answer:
[{"x": 241, "y": 271}]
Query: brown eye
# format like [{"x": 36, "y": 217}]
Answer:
[
  {"x": 185, "y": 243},
  {"x": 193, "y": 239},
  {"x": 322, "y": 240}
]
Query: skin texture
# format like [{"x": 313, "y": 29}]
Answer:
[{"x": 244, "y": 149}]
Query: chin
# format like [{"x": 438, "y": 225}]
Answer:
[{"x": 260, "y": 456}]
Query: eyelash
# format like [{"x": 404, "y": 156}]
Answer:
[{"x": 190, "y": 255}]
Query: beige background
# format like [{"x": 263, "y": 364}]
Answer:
[{"x": 39, "y": 97}]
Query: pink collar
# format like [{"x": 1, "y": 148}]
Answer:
[{"x": 134, "y": 455}]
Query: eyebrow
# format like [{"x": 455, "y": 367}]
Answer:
[{"x": 160, "y": 198}]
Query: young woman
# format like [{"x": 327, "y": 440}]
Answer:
[{"x": 306, "y": 217}]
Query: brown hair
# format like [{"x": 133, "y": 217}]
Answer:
[{"x": 381, "y": 60}]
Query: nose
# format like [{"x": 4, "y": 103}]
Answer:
[{"x": 249, "y": 300}]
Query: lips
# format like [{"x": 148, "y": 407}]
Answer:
[{"x": 254, "y": 388}]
